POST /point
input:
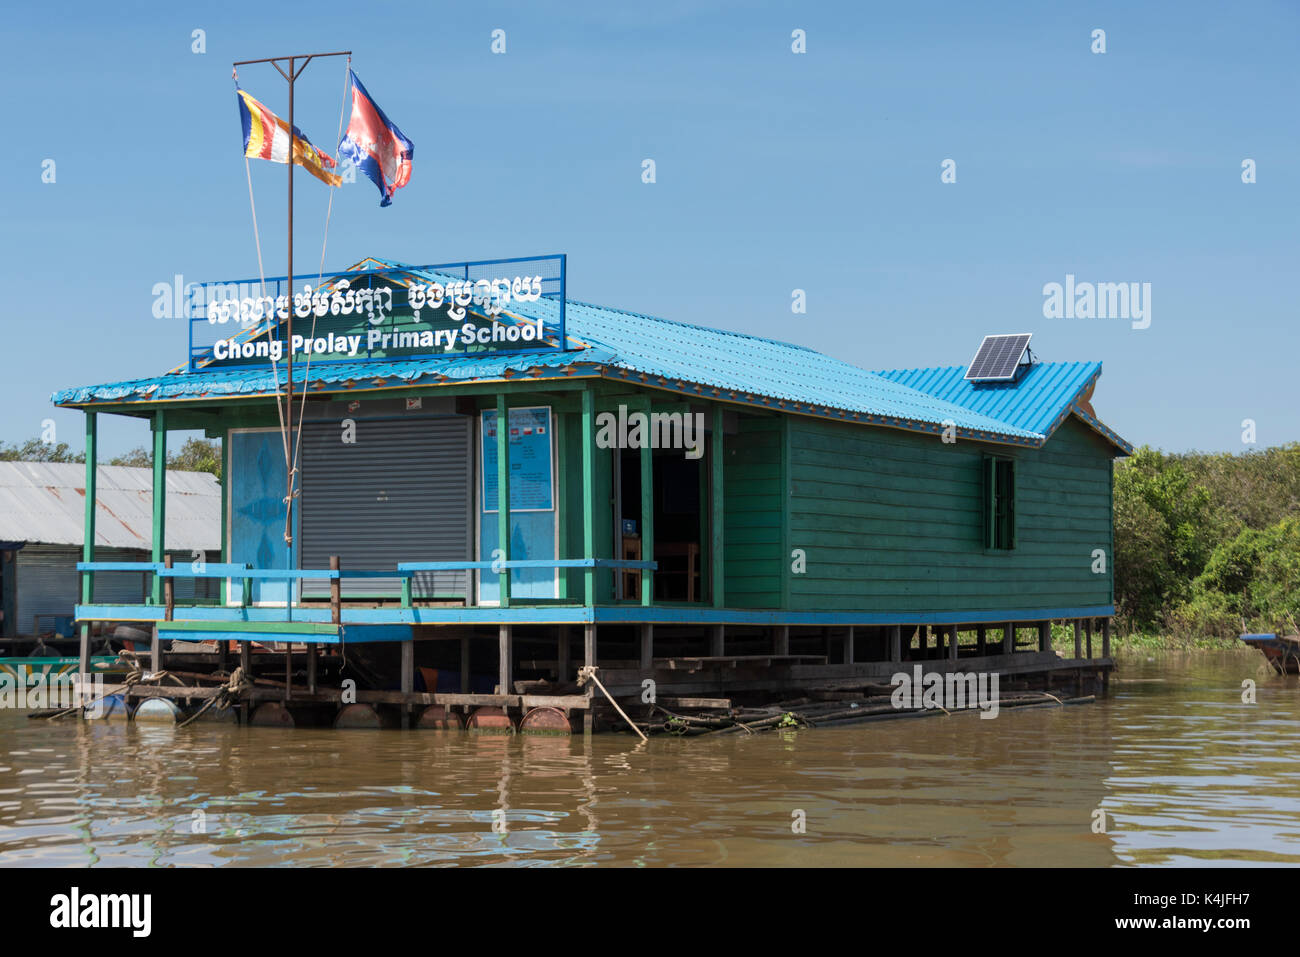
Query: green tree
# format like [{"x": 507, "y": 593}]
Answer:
[{"x": 34, "y": 450}]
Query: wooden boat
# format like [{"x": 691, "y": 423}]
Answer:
[{"x": 1281, "y": 651}]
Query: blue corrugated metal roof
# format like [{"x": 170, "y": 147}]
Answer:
[
  {"x": 1033, "y": 402},
  {"x": 1039, "y": 400},
  {"x": 681, "y": 357}
]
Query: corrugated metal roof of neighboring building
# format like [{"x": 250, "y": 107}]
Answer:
[
  {"x": 603, "y": 339},
  {"x": 45, "y": 502}
]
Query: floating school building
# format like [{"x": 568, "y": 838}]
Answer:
[{"x": 733, "y": 517}]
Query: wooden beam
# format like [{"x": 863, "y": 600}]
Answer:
[
  {"x": 981, "y": 640},
  {"x": 588, "y": 495},
  {"x": 781, "y": 642},
  {"x": 647, "y": 646},
  {"x": 159, "y": 496},
  {"x": 564, "y": 656},
  {"x": 1044, "y": 636},
  {"x": 87, "y": 548},
  {"x": 1087, "y": 630},
  {"x": 464, "y": 666},
  {"x": 155, "y": 651},
  {"x": 1008, "y": 638},
  {"x": 895, "y": 642},
  {"x": 503, "y": 495},
  {"x": 408, "y": 677},
  {"x": 717, "y": 521},
  {"x": 1078, "y": 639},
  {"x": 1105, "y": 637},
  {"x": 647, "y": 518},
  {"x": 952, "y": 642},
  {"x": 506, "y": 653},
  {"x": 718, "y": 640}
]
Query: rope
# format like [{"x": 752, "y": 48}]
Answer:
[
  {"x": 261, "y": 274},
  {"x": 133, "y": 677},
  {"x": 226, "y": 695},
  {"x": 590, "y": 672}
]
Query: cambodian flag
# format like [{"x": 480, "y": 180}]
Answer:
[{"x": 375, "y": 146}]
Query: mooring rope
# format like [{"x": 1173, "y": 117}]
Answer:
[
  {"x": 590, "y": 672},
  {"x": 225, "y": 696}
]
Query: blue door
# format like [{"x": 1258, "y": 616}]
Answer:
[{"x": 256, "y": 507}]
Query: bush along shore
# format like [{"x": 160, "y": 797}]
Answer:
[{"x": 1206, "y": 547}]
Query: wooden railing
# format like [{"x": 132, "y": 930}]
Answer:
[{"x": 167, "y": 573}]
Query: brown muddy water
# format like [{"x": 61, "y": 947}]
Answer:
[{"x": 1185, "y": 772}]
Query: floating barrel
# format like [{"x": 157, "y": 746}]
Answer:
[
  {"x": 546, "y": 721},
  {"x": 218, "y": 716},
  {"x": 358, "y": 716},
  {"x": 271, "y": 714},
  {"x": 490, "y": 719},
  {"x": 438, "y": 717},
  {"x": 110, "y": 708},
  {"x": 159, "y": 710}
]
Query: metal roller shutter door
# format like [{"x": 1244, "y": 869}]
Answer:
[{"x": 399, "y": 493}]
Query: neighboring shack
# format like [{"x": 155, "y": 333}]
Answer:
[{"x": 42, "y": 512}]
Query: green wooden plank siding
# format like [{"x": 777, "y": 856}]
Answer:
[
  {"x": 893, "y": 521},
  {"x": 752, "y": 501}
]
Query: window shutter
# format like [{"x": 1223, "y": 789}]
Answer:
[
  {"x": 1011, "y": 504},
  {"x": 990, "y": 502}
]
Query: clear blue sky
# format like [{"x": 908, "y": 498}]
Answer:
[{"x": 775, "y": 171}]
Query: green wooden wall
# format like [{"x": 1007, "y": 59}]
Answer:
[
  {"x": 753, "y": 531},
  {"x": 892, "y": 521}
]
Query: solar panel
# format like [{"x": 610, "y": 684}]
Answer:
[{"x": 998, "y": 358}]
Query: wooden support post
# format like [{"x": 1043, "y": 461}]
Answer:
[
  {"x": 1008, "y": 638},
  {"x": 1105, "y": 637},
  {"x": 83, "y": 668},
  {"x": 408, "y": 678},
  {"x": 895, "y": 642},
  {"x": 503, "y": 497},
  {"x": 313, "y": 653},
  {"x": 850, "y": 652},
  {"x": 1078, "y": 639},
  {"x": 952, "y": 642},
  {"x": 505, "y": 651},
  {"x": 647, "y": 646},
  {"x": 1087, "y": 630},
  {"x": 782, "y": 643},
  {"x": 564, "y": 655},
  {"x": 648, "y": 522},
  {"x": 717, "y": 522},
  {"x": 246, "y": 662},
  {"x": 1044, "y": 636},
  {"x": 155, "y": 652},
  {"x": 288, "y": 668},
  {"x": 464, "y": 666},
  {"x": 718, "y": 640},
  {"x": 589, "y": 661},
  {"x": 588, "y": 495},
  {"x": 169, "y": 592},
  {"x": 159, "y": 497},
  {"x": 87, "y": 549},
  {"x": 336, "y": 592},
  {"x": 981, "y": 640}
]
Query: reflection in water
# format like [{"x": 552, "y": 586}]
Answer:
[{"x": 1184, "y": 771}]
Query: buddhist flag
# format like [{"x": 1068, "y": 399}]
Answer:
[
  {"x": 375, "y": 146},
  {"x": 266, "y": 136}
]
